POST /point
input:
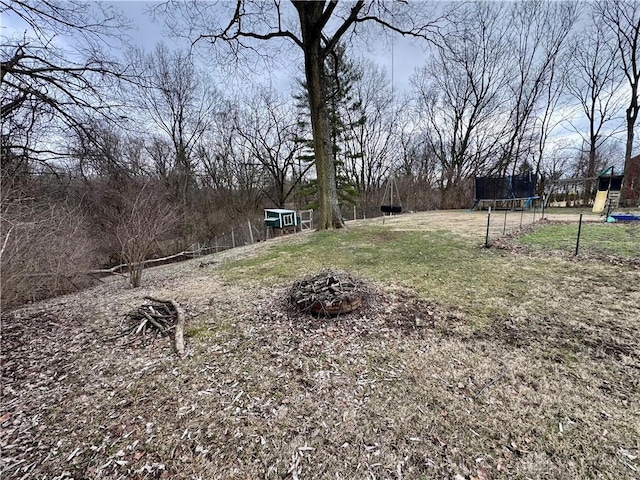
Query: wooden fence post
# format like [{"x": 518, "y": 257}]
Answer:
[{"x": 250, "y": 231}]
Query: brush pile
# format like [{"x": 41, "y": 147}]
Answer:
[
  {"x": 157, "y": 318},
  {"x": 328, "y": 293}
]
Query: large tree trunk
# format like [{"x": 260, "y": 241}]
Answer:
[
  {"x": 330, "y": 216},
  {"x": 632, "y": 115}
]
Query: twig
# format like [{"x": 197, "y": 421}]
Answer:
[
  {"x": 491, "y": 382},
  {"x": 153, "y": 322},
  {"x": 6, "y": 239}
]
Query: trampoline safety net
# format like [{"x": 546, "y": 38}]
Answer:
[{"x": 503, "y": 188}]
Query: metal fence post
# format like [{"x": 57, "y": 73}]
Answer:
[
  {"x": 250, "y": 231},
  {"x": 534, "y": 211},
  {"x": 578, "y": 239},
  {"x": 504, "y": 227},
  {"x": 486, "y": 238},
  {"x": 521, "y": 215}
]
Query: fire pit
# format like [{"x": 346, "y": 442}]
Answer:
[{"x": 329, "y": 293}]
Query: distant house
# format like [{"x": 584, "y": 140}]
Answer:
[{"x": 632, "y": 183}]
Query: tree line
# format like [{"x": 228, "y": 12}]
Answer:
[{"x": 108, "y": 159}]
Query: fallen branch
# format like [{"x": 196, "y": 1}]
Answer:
[
  {"x": 122, "y": 266},
  {"x": 178, "y": 334},
  {"x": 491, "y": 382},
  {"x": 6, "y": 239}
]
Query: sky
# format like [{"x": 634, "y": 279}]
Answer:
[{"x": 399, "y": 56}]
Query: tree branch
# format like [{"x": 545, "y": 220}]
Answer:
[
  {"x": 258, "y": 36},
  {"x": 350, "y": 20}
]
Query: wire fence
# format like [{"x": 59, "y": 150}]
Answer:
[
  {"x": 569, "y": 232},
  {"x": 503, "y": 222},
  {"x": 253, "y": 231}
]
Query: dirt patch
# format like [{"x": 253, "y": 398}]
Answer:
[{"x": 391, "y": 311}]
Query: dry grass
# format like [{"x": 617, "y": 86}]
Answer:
[{"x": 533, "y": 371}]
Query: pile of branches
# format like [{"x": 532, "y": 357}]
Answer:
[
  {"x": 158, "y": 318},
  {"x": 327, "y": 293}
]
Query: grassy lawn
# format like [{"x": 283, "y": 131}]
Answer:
[{"x": 467, "y": 363}]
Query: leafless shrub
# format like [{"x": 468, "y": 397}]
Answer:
[
  {"x": 45, "y": 249},
  {"x": 143, "y": 218}
]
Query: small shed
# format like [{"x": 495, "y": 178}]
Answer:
[{"x": 281, "y": 218}]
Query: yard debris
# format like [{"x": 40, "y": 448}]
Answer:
[
  {"x": 327, "y": 293},
  {"x": 206, "y": 264},
  {"x": 491, "y": 382},
  {"x": 482, "y": 474},
  {"x": 158, "y": 318}
]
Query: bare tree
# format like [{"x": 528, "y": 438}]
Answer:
[
  {"x": 547, "y": 120},
  {"x": 609, "y": 153},
  {"x": 142, "y": 218},
  {"x": 181, "y": 102},
  {"x": 461, "y": 95},
  {"x": 373, "y": 127},
  {"x": 488, "y": 95},
  {"x": 45, "y": 248},
  {"x": 52, "y": 74},
  {"x": 594, "y": 81},
  {"x": 315, "y": 28},
  {"x": 622, "y": 17},
  {"x": 556, "y": 164},
  {"x": 230, "y": 169},
  {"x": 537, "y": 36},
  {"x": 161, "y": 155},
  {"x": 271, "y": 131},
  {"x": 416, "y": 166},
  {"x": 102, "y": 150}
]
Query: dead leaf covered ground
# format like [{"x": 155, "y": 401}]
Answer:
[{"x": 432, "y": 378}]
